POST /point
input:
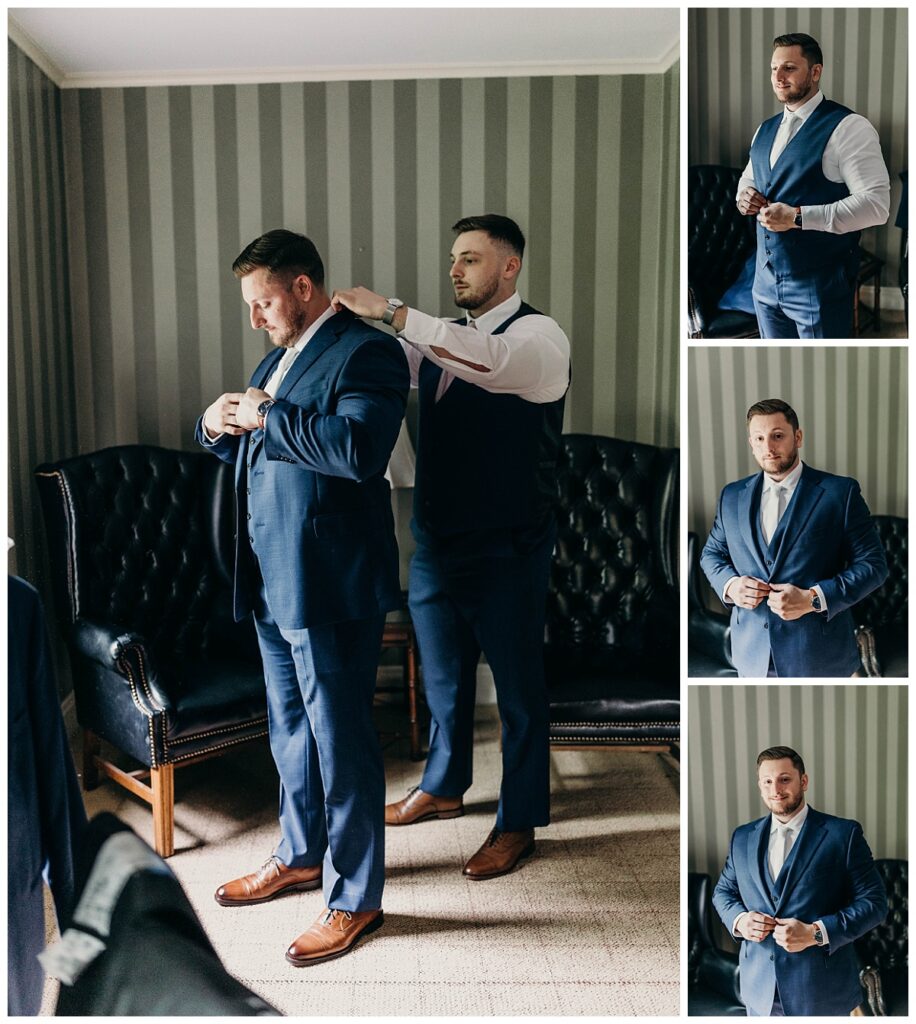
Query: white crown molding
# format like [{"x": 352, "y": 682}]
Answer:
[
  {"x": 34, "y": 52},
  {"x": 331, "y": 73}
]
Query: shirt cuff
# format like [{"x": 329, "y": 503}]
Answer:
[
  {"x": 743, "y": 913},
  {"x": 728, "y": 583},
  {"x": 207, "y": 438},
  {"x": 813, "y": 218}
]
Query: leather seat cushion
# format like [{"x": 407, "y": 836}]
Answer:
[{"x": 224, "y": 694}]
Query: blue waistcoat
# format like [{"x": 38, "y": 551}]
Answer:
[
  {"x": 797, "y": 178},
  {"x": 484, "y": 461}
]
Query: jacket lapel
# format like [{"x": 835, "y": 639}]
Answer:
[
  {"x": 746, "y": 511},
  {"x": 757, "y": 843},
  {"x": 812, "y": 835},
  {"x": 327, "y": 334},
  {"x": 807, "y": 495}
]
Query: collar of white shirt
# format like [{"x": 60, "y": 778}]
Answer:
[
  {"x": 789, "y": 482},
  {"x": 313, "y": 328},
  {"x": 806, "y": 109},
  {"x": 489, "y": 321},
  {"x": 794, "y": 823}
]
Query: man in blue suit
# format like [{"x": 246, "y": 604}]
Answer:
[
  {"x": 317, "y": 564},
  {"x": 815, "y": 180},
  {"x": 791, "y": 550},
  {"x": 799, "y": 887}
]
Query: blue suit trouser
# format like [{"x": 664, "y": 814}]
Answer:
[
  {"x": 462, "y": 604},
  {"x": 320, "y": 687},
  {"x": 816, "y": 304},
  {"x": 776, "y": 1009}
]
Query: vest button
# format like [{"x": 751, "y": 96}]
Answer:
[
  {"x": 769, "y": 560},
  {"x": 247, "y": 515},
  {"x": 771, "y": 956},
  {"x": 766, "y": 625}
]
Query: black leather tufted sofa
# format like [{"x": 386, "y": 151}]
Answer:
[
  {"x": 883, "y": 950},
  {"x": 721, "y": 240},
  {"x": 882, "y": 617},
  {"x": 611, "y": 637},
  {"x": 143, "y": 592},
  {"x": 712, "y": 974}
]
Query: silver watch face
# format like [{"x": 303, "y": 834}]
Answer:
[
  {"x": 264, "y": 406},
  {"x": 395, "y": 303}
]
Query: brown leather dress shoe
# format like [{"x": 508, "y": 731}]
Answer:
[
  {"x": 271, "y": 879},
  {"x": 420, "y": 806},
  {"x": 499, "y": 854},
  {"x": 335, "y": 933}
]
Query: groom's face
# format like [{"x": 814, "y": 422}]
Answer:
[
  {"x": 782, "y": 787},
  {"x": 774, "y": 444}
]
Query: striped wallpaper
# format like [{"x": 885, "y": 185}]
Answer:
[
  {"x": 851, "y": 405},
  {"x": 853, "y": 740},
  {"x": 865, "y": 67},
  {"x": 43, "y": 411}
]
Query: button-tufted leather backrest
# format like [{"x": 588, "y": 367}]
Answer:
[
  {"x": 721, "y": 238},
  {"x": 885, "y": 946},
  {"x": 888, "y": 604},
  {"x": 139, "y": 538},
  {"x": 615, "y": 561}
]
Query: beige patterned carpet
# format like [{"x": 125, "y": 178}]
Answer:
[{"x": 587, "y": 927}]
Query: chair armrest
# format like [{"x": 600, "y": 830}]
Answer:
[
  {"x": 868, "y": 652},
  {"x": 125, "y": 655},
  {"x": 696, "y": 322},
  {"x": 870, "y": 980},
  {"x": 707, "y": 633},
  {"x": 718, "y": 970}
]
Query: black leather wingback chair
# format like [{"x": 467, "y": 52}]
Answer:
[
  {"x": 721, "y": 241},
  {"x": 882, "y": 617},
  {"x": 712, "y": 974},
  {"x": 611, "y": 638},
  {"x": 883, "y": 950},
  {"x": 138, "y": 540},
  {"x": 708, "y": 632}
]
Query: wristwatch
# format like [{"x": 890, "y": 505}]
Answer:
[
  {"x": 815, "y": 601},
  {"x": 818, "y": 936},
  {"x": 798, "y": 222},
  {"x": 393, "y": 306},
  {"x": 262, "y": 410}
]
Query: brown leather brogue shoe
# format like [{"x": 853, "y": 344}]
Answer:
[
  {"x": 420, "y": 806},
  {"x": 499, "y": 854},
  {"x": 335, "y": 933},
  {"x": 271, "y": 879}
]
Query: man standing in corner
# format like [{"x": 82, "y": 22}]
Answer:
[
  {"x": 317, "y": 564},
  {"x": 791, "y": 550},
  {"x": 815, "y": 179},
  {"x": 491, "y": 393},
  {"x": 799, "y": 887}
]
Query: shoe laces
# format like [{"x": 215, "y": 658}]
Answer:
[
  {"x": 269, "y": 867},
  {"x": 494, "y": 837},
  {"x": 331, "y": 914}
]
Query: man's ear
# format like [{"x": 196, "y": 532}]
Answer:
[
  {"x": 816, "y": 71},
  {"x": 513, "y": 265},
  {"x": 303, "y": 287}
]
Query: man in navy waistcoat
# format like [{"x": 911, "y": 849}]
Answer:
[
  {"x": 491, "y": 392},
  {"x": 316, "y": 561},
  {"x": 798, "y": 888},
  {"x": 815, "y": 179},
  {"x": 791, "y": 550}
]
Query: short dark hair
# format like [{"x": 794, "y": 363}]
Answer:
[
  {"x": 810, "y": 48},
  {"x": 770, "y": 407},
  {"x": 499, "y": 228},
  {"x": 284, "y": 254},
  {"x": 778, "y": 753}
]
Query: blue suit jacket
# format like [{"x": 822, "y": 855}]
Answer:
[
  {"x": 830, "y": 878},
  {"x": 320, "y": 511},
  {"x": 826, "y": 537}
]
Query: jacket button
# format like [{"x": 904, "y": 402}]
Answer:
[
  {"x": 772, "y": 957},
  {"x": 248, "y": 491},
  {"x": 247, "y": 515},
  {"x": 769, "y": 560},
  {"x": 766, "y": 625}
]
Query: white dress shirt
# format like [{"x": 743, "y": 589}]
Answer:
[
  {"x": 768, "y": 497},
  {"x": 852, "y": 156},
  {"x": 529, "y": 359},
  {"x": 285, "y": 364},
  {"x": 791, "y": 830}
]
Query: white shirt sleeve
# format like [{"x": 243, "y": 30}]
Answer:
[
  {"x": 853, "y": 156},
  {"x": 529, "y": 359},
  {"x": 747, "y": 177}
]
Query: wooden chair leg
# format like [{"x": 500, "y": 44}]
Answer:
[
  {"x": 92, "y": 747},
  {"x": 162, "y": 781}
]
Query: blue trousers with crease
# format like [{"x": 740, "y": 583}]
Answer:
[{"x": 320, "y": 687}]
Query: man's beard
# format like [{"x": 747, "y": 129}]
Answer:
[
  {"x": 790, "y": 808},
  {"x": 800, "y": 93},
  {"x": 292, "y": 331},
  {"x": 475, "y": 299},
  {"x": 782, "y": 466}
]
